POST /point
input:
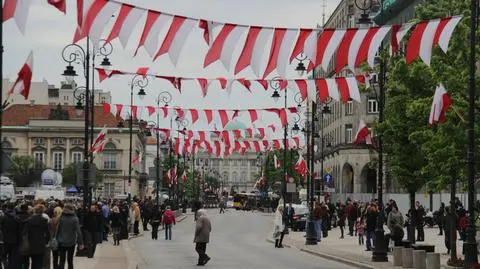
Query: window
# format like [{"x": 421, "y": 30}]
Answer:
[
  {"x": 77, "y": 141},
  {"x": 77, "y": 157},
  {"x": 39, "y": 141},
  {"x": 372, "y": 105},
  {"x": 59, "y": 141},
  {"x": 58, "y": 161},
  {"x": 109, "y": 160},
  {"x": 349, "y": 107},
  {"x": 348, "y": 134},
  {"x": 234, "y": 176},
  {"x": 39, "y": 158},
  {"x": 109, "y": 189}
]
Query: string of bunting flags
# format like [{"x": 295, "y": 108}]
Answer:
[
  {"x": 222, "y": 148},
  {"x": 220, "y": 116},
  {"x": 337, "y": 88},
  {"x": 357, "y": 45}
]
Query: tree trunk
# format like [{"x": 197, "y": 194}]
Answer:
[
  {"x": 453, "y": 222},
  {"x": 411, "y": 227}
]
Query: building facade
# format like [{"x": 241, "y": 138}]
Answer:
[
  {"x": 353, "y": 167},
  {"x": 42, "y": 93},
  {"x": 54, "y": 136}
]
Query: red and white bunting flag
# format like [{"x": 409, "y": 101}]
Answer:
[
  {"x": 327, "y": 44},
  {"x": 126, "y": 21},
  {"x": 276, "y": 162},
  {"x": 226, "y": 56},
  {"x": 180, "y": 40},
  {"x": 310, "y": 49},
  {"x": 177, "y": 22},
  {"x": 137, "y": 159},
  {"x": 246, "y": 55},
  {"x": 348, "y": 48},
  {"x": 333, "y": 90},
  {"x": 375, "y": 45},
  {"x": 104, "y": 73},
  {"x": 172, "y": 175},
  {"x": 300, "y": 43},
  {"x": 216, "y": 48},
  {"x": 443, "y": 37},
  {"x": 441, "y": 102},
  {"x": 152, "y": 39},
  {"x": 97, "y": 17},
  {"x": 17, "y": 9},
  {"x": 363, "y": 134},
  {"x": 152, "y": 17},
  {"x": 421, "y": 41},
  {"x": 261, "y": 44},
  {"x": 398, "y": 32},
  {"x": 184, "y": 176},
  {"x": 206, "y": 26},
  {"x": 24, "y": 79},
  {"x": 99, "y": 142},
  {"x": 300, "y": 166},
  {"x": 348, "y": 88},
  {"x": 278, "y": 36},
  {"x": 59, "y": 4}
]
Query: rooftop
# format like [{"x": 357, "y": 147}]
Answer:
[{"x": 19, "y": 115}]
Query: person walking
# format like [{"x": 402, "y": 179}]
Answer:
[
  {"x": 106, "y": 214},
  {"x": 318, "y": 215},
  {"x": 371, "y": 223},
  {"x": 222, "y": 205},
  {"x": 53, "y": 229},
  {"x": 155, "y": 220},
  {"x": 136, "y": 218},
  {"x": 168, "y": 219},
  {"x": 115, "y": 220},
  {"x": 93, "y": 230},
  {"x": 395, "y": 224},
  {"x": 68, "y": 236},
  {"x": 360, "y": 231},
  {"x": 419, "y": 215},
  {"x": 279, "y": 226},
  {"x": 11, "y": 230},
  {"x": 203, "y": 228},
  {"x": 440, "y": 217},
  {"x": 37, "y": 235},
  {"x": 341, "y": 219}
]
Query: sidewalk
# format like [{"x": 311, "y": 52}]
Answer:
[
  {"x": 349, "y": 252},
  {"x": 108, "y": 256}
]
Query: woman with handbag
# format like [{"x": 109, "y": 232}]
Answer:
[
  {"x": 35, "y": 237},
  {"x": 53, "y": 228},
  {"x": 68, "y": 235}
]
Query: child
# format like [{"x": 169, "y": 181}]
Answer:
[{"x": 360, "y": 231}]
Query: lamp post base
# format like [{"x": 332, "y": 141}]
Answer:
[
  {"x": 380, "y": 251},
  {"x": 470, "y": 248},
  {"x": 311, "y": 238}
]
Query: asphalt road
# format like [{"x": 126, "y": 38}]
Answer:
[{"x": 237, "y": 241}]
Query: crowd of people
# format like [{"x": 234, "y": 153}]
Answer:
[{"x": 360, "y": 219}]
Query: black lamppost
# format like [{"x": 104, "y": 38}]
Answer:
[
  {"x": 181, "y": 122},
  {"x": 138, "y": 81},
  {"x": 71, "y": 54},
  {"x": 470, "y": 246},
  {"x": 379, "y": 253},
  {"x": 326, "y": 140},
  {"x": 275, "y": 84}
]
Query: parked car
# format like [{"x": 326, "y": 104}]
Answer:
[
  {"x": 230, "y": 202},
  {"x": 300, "y": 217}
]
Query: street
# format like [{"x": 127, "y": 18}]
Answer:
[{"x": 237, "y": 241}]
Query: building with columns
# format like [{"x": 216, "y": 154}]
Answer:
[{"x": 54, "y": 136}]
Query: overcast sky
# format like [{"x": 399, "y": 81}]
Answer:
[{"x": 48, "y": 31}]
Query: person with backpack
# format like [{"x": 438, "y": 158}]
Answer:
[{"x": 168, "y": 219}]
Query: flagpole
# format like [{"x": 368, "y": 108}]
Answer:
[{"x": 1, "y": 90}]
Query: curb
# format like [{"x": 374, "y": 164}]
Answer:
[{"x": 329, "y": 257}]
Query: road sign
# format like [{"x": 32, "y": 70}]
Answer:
[
  {"x": 328, "y": 179},
  {"x": 291, "y": 187}
]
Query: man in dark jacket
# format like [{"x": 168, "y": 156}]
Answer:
[
  {"x": 92, "y": 223},
  {"x": 11, "y": 230},
  {"x": 36, "y": 231},
  {"x": 419, "y": 214}
]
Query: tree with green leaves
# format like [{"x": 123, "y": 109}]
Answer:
[
  {"x": 24, "y": 171},
  {"x": 274, "y": 176},
  {"x": 417, "y": 153}
]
